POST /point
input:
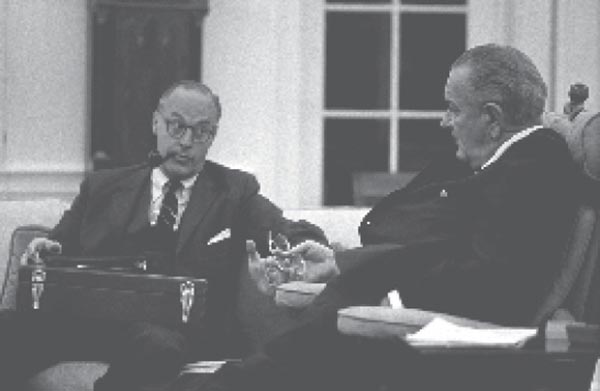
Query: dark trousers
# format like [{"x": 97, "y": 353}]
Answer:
[
  {"x": 316, "y": 357},
  {"x": 149, "y": 359},
  {"x": 344, "y": 363},
  {"x": 142, "y": 356}
]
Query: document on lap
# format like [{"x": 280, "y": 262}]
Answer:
[
  {"x": 204, "y": 366},
  {"x": 440, "y": 332}
]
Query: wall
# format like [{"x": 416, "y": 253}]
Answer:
[
  {"x": 43, "y": 96},
  {"x": 578, "y": 48},
  {"x": 252, "y": 59},
  {"x": 262, "y": 57},
  {"x": 560, "y": 35}
]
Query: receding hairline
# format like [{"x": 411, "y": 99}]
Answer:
[{"x": 193, "y": 86}]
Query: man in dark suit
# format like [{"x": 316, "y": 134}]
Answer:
[
  {"x": 479, "y": 234},
  {"x": 191, "y": 214}
]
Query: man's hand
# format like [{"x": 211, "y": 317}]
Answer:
[
  {"x": 257, "y": 267},
  {"x": 39, "y": 246},
  {"x": 319, "y": 265},
  {"x": 319, "y": 260}
]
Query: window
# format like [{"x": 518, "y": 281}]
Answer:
[{"x": 386, "y": 63}]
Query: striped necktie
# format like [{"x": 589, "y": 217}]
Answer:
[{"x": 169, "y": 208}]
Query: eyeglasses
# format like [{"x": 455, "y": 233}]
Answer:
[
  {"x": 279, "y": 268},
  {"x": 200, "y": 133}
]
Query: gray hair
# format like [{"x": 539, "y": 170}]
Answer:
[
  {"x": 192, "y": 85},
  {"x": 507, "y": 76}
]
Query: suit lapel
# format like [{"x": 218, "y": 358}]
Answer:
[
  {"x": 132, "y": 199},
  {"x": 202, "y": 198}
]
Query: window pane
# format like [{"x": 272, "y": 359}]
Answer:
[
  {"x": 420, "y": 141},
  {"x": 429, "y": 45},
  {"x": 357, "y": 61},
  {"x": 352, "y": 145},
  {"x": 436, "y": 2}
]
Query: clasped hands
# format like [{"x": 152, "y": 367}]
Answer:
[{"x": 309, "y": 261}]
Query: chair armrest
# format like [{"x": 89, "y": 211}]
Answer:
[
  {"x": 297, "y": 294},
  {"x": 386, "y": 322},
  {"x": 563, "y": 315},
  {"x": 19, "y": 240}
]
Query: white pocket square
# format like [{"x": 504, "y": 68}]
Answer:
[{"x": 225, "y": 234}]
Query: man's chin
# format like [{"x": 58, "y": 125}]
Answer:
[
  {"x": 174, "y": 169},
  {"x": 460, "y": 155}
]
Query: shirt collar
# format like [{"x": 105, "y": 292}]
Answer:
[
  {"x": 505, "y": 145},
  {"x": 159, "y": 180}
]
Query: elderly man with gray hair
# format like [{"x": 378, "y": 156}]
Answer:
[{"x": 478, "y": 234}]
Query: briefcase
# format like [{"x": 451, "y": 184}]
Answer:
[
  {"x": 111, "y": 294},
  {"x": 149, "y": 262}
]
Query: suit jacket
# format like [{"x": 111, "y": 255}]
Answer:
[
  {"x": 110, "y": 215},
  {"x": 485, "y": 245}
]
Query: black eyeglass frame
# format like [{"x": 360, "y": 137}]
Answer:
[{"x": 201, "y": 132}]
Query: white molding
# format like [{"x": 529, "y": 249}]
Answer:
[
  {"x": 310, "y": 146},
  {"x": 287, "y": 103},
  {"x": 394, "y": 135},
  {"x": 25, "y": 184},
  {"x": 3, "y": 79}
]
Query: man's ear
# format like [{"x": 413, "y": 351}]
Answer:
[
  {"x": 154, "y": 122},
  {"x": 210, "y": 141},
  {"x": 495, "y": 116},
  {"x": 212, "y": 136}
]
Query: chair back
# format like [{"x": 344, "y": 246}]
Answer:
[
  {"x": 370, "y": 187},
  {"x": 576, "y": 291},
  {"x": 19, "y": 240}
]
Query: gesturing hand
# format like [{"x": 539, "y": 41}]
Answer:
[
  {"x": 319, "y": 261},
  {"x": 257, "y": 268}
]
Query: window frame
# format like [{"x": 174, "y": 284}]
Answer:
[
  {"x": 394, "y": 113},
  {"x": 500, "y": 21}
]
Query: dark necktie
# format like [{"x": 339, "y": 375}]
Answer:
[{"x": 169, "y": 208}]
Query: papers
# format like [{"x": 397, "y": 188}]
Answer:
[
  {"x": 395, "y": 299},
  {"x": 440, "y": 332},
  {"x": 204, "y": 366}
]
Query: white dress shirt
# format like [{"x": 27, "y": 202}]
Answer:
[
  {"x": 158, "y": 181},
  {"x": 505, "y": 145}
]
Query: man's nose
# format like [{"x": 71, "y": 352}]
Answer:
[
  {"x": 187, "y": 136},
  {"x": 445, "y": 121}
]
